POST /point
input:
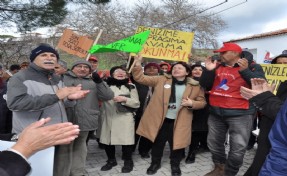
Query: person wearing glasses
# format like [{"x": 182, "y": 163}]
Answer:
[
  {"x": 86, "y": 111},
  {"x": 168, "y": 116}
]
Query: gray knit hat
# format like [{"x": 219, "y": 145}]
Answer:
[{"x": 81, "y": 62}]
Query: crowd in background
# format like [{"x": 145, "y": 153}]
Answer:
[{"x": 194, "y": 107}]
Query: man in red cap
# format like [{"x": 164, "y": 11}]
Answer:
[
  {"x": 229, "y": 111},
  {"x": 94, "y": 62}
]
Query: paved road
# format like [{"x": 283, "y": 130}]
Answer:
[{"x": 203, "y": 164}]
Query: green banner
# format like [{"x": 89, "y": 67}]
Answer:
[{"x": 132, "y": 44}]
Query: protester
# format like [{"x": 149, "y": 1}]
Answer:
[
  {"x": 164, "y": 66},
  {"x": 94, "y": 62},
  {"x": 34, "y": 138},
  {"x": 5, "y": 113},
  {"x": 24, "y": 65},
  {"x": 85, "y": 112},
  {"x": 61, "y": 68},
  {"x": 13, "y": 69},
  {"x": 145, "y": 93},
  {"x": 268, "y": 113},
  {"x": 36, "y": 92},
  {"x": 168, "y": 116},
  {"x": 118, "y": 119},
  {"x": 229, "y": 111},
  {"x": 199, "y": 121}
]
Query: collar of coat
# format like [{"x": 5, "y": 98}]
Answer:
[{"x": 188, "y": 80}]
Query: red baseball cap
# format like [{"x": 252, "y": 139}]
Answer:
[
  {"x": 229, "y": 47},
  {"x": 93, "y": 58}
]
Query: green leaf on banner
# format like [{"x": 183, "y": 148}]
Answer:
[{"x": 132, "y": 44}]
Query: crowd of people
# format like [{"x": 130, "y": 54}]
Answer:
[{"x": 194, "y": 107}]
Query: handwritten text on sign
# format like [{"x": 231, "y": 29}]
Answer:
[
  {"x": 167, "y": 44},
  {"x": 75, "y": 44},
  {"x": 275, "y": 73}
]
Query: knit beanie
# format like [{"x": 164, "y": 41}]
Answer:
[
  {"x": 81, "y": 62},
  {"x": 42, "y": 48}
]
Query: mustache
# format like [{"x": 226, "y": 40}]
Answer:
[{"x": 49, "y": 62}]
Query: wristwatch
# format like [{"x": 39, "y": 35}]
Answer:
[{"x": 14, "y": 138}]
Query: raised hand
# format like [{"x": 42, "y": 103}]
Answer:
[
  {"x": 37, "y": 137},
  {"x": 138, "y": 59},
  {"x": 258, "y": 85},
  {"x": 210, "y": 64}
]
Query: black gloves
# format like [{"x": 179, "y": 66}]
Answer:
[{"x": 96, "y": 78}]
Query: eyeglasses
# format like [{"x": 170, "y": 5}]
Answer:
[{"x": 82, "y": 66}]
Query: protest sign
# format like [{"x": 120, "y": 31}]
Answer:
[
  {"x": 75, "y": 44},
  {"x": 275, "y": 73},
  {"x": 167, "y": 44},
  {"x": 131, "y": 44}
]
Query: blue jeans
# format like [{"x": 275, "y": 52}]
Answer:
[{"x": 239, "y": 129}]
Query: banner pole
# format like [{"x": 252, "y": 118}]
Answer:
[
  {"x": 129, "y": 61},
  {"x": 132, "y": 66},
  {"x": 95, "y": 42}
]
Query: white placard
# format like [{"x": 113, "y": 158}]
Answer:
[{"x": 42, "y": 162}]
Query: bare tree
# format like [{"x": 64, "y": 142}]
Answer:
[
  {"x": 17, "y": 50},
  {"x": 119, "y": 21}
]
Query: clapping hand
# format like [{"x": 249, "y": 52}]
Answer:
[{"x": 259, "y": 86}]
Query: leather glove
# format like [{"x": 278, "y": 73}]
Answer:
[{"x": 96, "y": 78}]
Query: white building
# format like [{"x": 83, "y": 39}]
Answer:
[{"x": 273, "y": 42}]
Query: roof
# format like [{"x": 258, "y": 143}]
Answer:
[{"x": 263, "y": 35}]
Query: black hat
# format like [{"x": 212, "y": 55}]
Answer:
[
  {"x": 112, "y": 70},
  {"x": 275, "y": 59},
  {"x": 42, "y": 48}
]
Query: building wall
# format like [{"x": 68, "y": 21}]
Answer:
[{"x": 259, "y": 46}]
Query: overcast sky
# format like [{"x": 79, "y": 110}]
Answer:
[{"x": 252, "y": 17}]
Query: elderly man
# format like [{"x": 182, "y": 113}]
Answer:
[
  {"x": 36, "y": 93},
  {"x": 86, "y": 111},
  {"x": 229, "y": 111}
]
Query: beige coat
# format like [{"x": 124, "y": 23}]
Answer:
[
  {"x": 118, "y": 127},
  {"x": 156, "y": 110}
]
